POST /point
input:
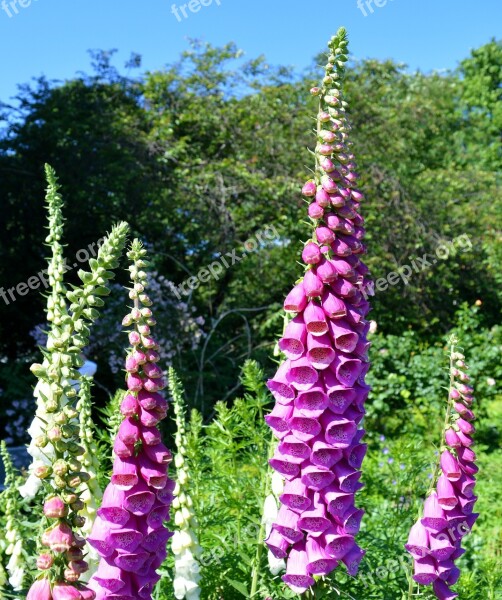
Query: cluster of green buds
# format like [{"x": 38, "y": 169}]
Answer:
[
  {"x": 16, "y": 567},
  {"x": 185, "y": 544},
  {"x": 70, "y": 314}
]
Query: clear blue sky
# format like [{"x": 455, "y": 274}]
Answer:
[{"x": 52, "y": 37}]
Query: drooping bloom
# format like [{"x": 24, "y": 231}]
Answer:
[
  {"x": 435, "y": 540},
  {"x": 184, "y": 544},
  {"x": 319, "y": 388},
  {"x": 129, "y": 532}
]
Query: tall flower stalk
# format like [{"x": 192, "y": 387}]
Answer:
[
  {"x": 435, "y": 540},
  {"x": 185, "y": 544},
  {"x": 320, "y": 389},
  {"x": 16, "y": 567},
  {"x": 129, "y": 532},
  {"x": 56, "y": 429}
]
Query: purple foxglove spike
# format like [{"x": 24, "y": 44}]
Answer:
[
  {"x": 339, "y": 397},
  {"x": 324, "y": 455},
  {"x": 134, "y": 382},
  {"x": 40, "y": 590},
  {"x": 156, "y": 539},
  {"x": 322, "y": 197},
  {"x": 353, "y": 559},
  {"x": 152, "y": 370},
  {"x": 328, "y": 184},
  {"x": 469, "y": 468},
  {"x": 450, "y": 466},
  {"x": 355, "y": 454},
  {"x": 465, "y": 426},
  {"x": 297, "y": 577},
  {"x": 150, "y": 436},
  {"x": 362, "y": 328},
  {"x": 151, "y": 400},
  {"x": 451, "y": 438},
  {"x": 348, "y": 478},
  {"x": 466, "y": 413},
  {"x": 154, "y": 385},
  {"x": 337, "y": 201},
  {"x": 125, "y": 539},
  {"x": 345, "y": 339},
  {"x": 131, "y": 563},
  {"x": 453, "y": 576},
  {"x": 296, "y": 300},
  {"x": 466, "y": 454},
  {"x": 316, "y": 478},
  {"x": 447, "y": 497},
  {"x": 315, "y": 319},
  {"x": 326, "y": 271},
  {"x": 139, "y": 500},
  {"x": 340, "y": 248},
  {"x": 278, "y": 420},
  {"x": 125, "y": 473},
  {"x": 320, "y": 352},
  {"x": 287, "y": 525},
  {"x": 129, "y": 431},
  {"x": 295, "y": 496},
  {"x": 145, "y": 584},
  {"x": 352, "y": 521},
  {"x": 314, "y": 519},
  {"x": 287, "y": 466},
  {"x": 337, "y": 545},
  {"x": 425, "y": 570},
  {"x": 338, "y": 502},
  {"x": 359, "y": 233},
  {"x": 333, "y": 307},
  {"x": 158, "y": 514},
  {"x": 309, "y": 189},
  {"x": 434, "y": 516},
  {"x": 324, "y": 235},
  {"x": 151, "y": 418},
  {"x": 343, "y": 267},
  {"x": 280, "y": 386},
  {"x": 454, "y": 394},
  {"x": 100, "y": 538},
  {"x": 467, "y": 504},
  {"x": 347, "y": 370},
  {"x": 302, "y": 375},
  {"x": 277, "y": 544},
  {"x": 129, "y": 406},
  {"x": 465, "y": 440},
  {"x": 445, "y": 568},
  {"x": 312, "y": 284},
  {"x": 354, "y": 315},
  {"x": 65, "y": 591},
  {"x": 293, "y": 447},
  {"x": 362, "y": 390},
  {"x": 312, "y": 403},
  {"x": 441, "y": 546},
  {"x": 325, "y": 150},
  {"x": 418, "y": 544},
  {"x": 338, "y": 430},
  {"x": 334, "y": 222},
  {"x": 362, "y": 348},
  {"x": 456, "y": 518},
  {"x": 344, "y": 289},
  {"x": 319, "y": 563},
  {"x": 112, "y": 510},
  {"x": 442, "y": 591},
  {"x": 466, "y": 485},
  {"x": 159, "y": 454},
  {"x": 311, "y": 254},
  {"x": 154, "y": 474},
  {"x": 315, "y": 211}
]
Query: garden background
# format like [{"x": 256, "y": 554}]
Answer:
[{"x": 200, "y": 157}]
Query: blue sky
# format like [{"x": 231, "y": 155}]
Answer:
[{"x": 52, "y": 37}]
